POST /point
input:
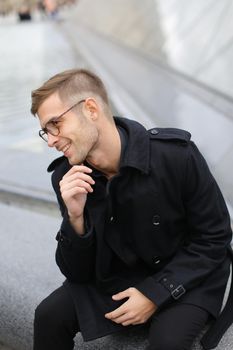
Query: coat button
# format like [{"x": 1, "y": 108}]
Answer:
[
  {"x": 156, "y": 260},
  {"x": 156, "y": 220},
  {"x": 154, "y": 132}
]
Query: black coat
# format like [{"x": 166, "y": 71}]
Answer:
[{"x": 160, "y": 225}]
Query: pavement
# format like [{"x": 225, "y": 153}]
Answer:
[
  {"x": 3, "y": 347},
  {"x": 33, "y": 52}
]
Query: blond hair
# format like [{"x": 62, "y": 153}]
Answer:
[{"x": 70, "y": 85}]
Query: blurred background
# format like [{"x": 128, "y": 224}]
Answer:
[{"x": 164, "y": 62}]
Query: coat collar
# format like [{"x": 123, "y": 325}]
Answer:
[{"x": 136, "y": 154}]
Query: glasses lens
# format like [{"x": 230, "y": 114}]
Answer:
[{"x": 52, "y": 128}]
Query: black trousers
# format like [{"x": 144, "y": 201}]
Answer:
[{"x": 172, "y": 328}]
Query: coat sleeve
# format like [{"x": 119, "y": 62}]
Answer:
[
  {"x": 75, "y": 254},
  {"x": 207, "y": 237}
]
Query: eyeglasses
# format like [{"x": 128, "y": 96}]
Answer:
[{"x": 51, "y": 127}]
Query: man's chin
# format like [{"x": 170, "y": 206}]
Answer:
[
  {"x": 73, "y": 161},
  {"x": 70, "y": 160}
]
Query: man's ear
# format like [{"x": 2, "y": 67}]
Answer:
[{"x": 92, "y": 108}]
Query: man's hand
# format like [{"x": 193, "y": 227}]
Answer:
[
  {"x": 136, "y": 310},
  {"x": 74, "y": 186}
]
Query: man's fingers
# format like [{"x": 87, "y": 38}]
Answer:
[
  {"x": 125, "y": 319},
  {"x": 78, "y": 180},
  {"x": 75, "y": 184},
  {"x": 120, "y": 311},
  {"x": 122, "y": 295},
  {"x": 77, "y": 176}
]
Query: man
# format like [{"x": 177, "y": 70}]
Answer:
[{"x": 145, "y": 234}]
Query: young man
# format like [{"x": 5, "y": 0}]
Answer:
[{"x": 145, "y": 236}]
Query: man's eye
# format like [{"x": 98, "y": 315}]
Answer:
[{"x": 55, "y": 122}]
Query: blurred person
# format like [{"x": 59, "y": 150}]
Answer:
[
  {"x": 5, "y": 8},
  {"x": 145, "y": 236},
  {"x": 24, "y": 12},
  {"x": 51, "y": 8},
  {"x": 41, "y": 8}
]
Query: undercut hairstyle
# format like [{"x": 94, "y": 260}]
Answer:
[{"x": 71, "y": 85}]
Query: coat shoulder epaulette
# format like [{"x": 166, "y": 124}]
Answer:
[
  {"x": 55, "y": 163},
  {"x": 169, "y": 134}
]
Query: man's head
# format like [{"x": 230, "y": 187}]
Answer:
[{"x": 72, "y": 108}]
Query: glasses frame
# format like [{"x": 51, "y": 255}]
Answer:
[{"x": 43, "y": 133}]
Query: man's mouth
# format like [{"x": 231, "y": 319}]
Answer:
[{"x": 64, "y": 149}]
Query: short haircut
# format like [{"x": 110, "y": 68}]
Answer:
[{"x": 70, "y": 85}]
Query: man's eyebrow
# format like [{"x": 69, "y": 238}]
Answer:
[{"x": 53, "y": 119}]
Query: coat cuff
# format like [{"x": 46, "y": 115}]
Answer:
[
  {"x": 68, "y": 236},
  {"x": 161, "y": 291}
]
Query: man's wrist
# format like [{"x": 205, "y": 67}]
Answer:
[{"x": 78, "y": 224}]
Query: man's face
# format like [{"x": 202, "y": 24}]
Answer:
[{"x": 78, "y": 134}]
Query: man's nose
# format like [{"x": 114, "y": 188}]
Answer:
[{"x": 52, "y": 140}]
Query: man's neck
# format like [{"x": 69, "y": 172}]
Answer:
[{"x": 106, "y": 157}]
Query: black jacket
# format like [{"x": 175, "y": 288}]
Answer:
[{"x": 161, "y": 224}]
